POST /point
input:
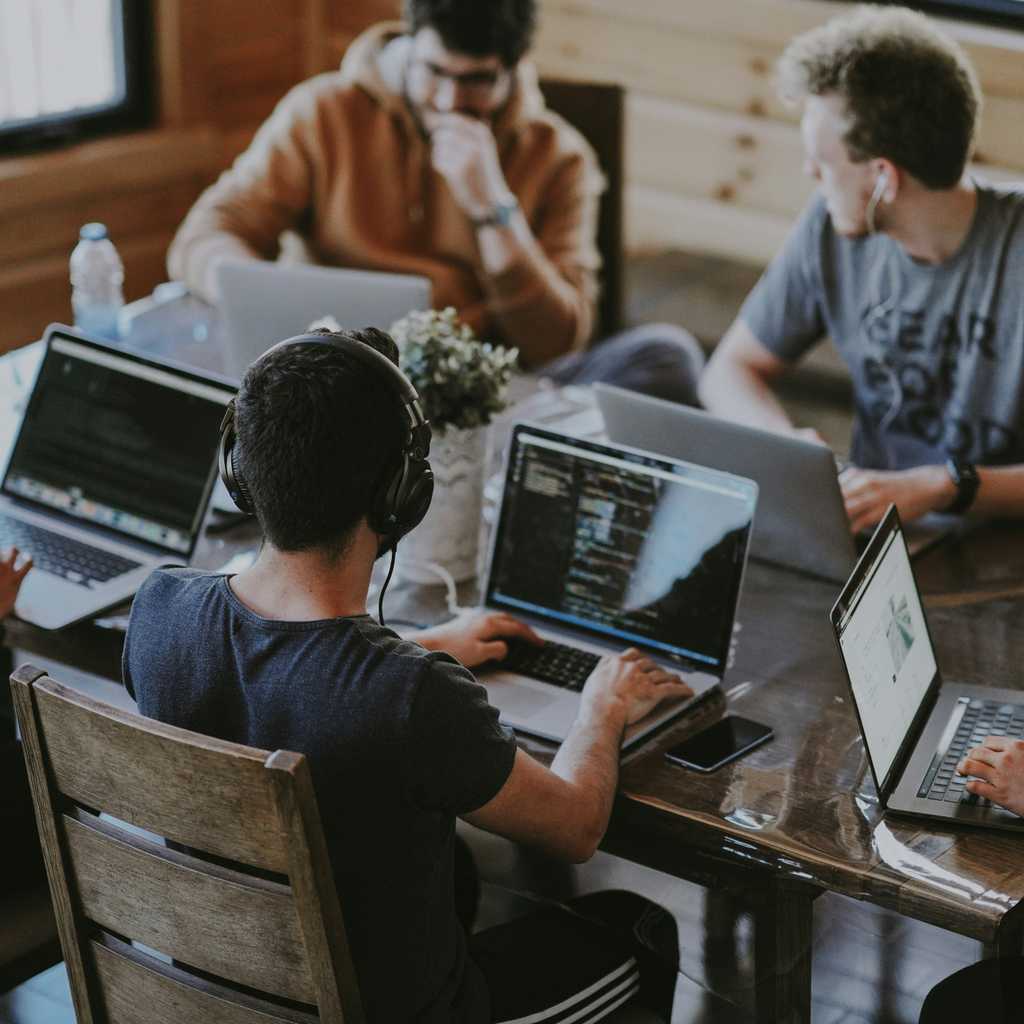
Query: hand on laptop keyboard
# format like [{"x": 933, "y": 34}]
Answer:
[
  {"x": 997, "y": 767},
  {"x": 633, "y": 681},
  {"x": 476, "y": 637}
]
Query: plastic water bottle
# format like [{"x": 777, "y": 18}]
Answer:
[{"x": 96, "y": 279}]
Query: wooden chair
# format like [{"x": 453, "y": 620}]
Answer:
[
  {"x": 255, "y": 932},
  {"x": 597, "y": 112}
]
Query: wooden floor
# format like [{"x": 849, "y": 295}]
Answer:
[{"x": 869, "y": 966}]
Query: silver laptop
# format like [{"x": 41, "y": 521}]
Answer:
[
  {"x": 602, "y": 548},
  {"x": 801, "y": 520},
  {"x": 109, "y": 475},
  {"x": 263, "y": 303},
  {"x": 916, "y": 727}
]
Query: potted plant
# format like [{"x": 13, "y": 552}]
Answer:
[{"x": 461, "y": 382}]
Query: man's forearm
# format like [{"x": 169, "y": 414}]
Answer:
[
  {"x": 589, "y": 761},
  {"x": 540, "y": 312},
  {"x": 736, "y": 393},
  {"x": 1000, "y": 491}
]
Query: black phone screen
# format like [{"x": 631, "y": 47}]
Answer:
[{"x": 720, "y": 743}]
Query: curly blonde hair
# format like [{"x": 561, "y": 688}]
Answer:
[{"x": 910, "y": 92}]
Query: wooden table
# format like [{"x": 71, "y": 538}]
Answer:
[{"x": 799, "y": 816}]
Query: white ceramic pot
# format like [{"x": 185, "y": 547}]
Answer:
[{"x": 449, "y": 535}]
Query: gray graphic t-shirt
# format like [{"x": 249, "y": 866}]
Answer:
[{"x": 936, "y": 351}]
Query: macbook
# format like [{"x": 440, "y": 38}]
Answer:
[
  {"x": 916, "y": 726},
  {"x": 264, "y": 303},
  {"x": 601, "y": 548},
  {"x": 109, "y": 475},
  {"x": 801, "y": 520}
]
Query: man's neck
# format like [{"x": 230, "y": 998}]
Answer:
[
  {"x": 932, "y": 225},
  {"x": 305, "y": 586}
]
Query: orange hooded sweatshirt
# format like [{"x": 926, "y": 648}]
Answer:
[{"x": 342, "y": 161}]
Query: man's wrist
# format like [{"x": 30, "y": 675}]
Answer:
[
  {"x": 964, "y": 481},
  {"x": 605, "y": 710},
  {"x": 498, "y": 214},
  {"x": 943, "y": 487}
]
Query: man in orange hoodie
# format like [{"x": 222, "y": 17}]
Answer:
[{"x": 431, "y": 152}]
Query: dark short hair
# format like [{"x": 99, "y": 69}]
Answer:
[
  {"x": 910, "y": 92},
  {"x": 317, "y": 430},
  {"x": 479, "y": 28}
]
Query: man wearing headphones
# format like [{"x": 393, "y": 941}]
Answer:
[
  {"x": 327, "y": 444},
  {"x": 911, "y": 267}
]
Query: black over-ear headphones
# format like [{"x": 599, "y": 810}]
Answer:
[{"x": 403, "y": 495}]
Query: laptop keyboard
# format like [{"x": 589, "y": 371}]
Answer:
[
  {"x": 558, "y": 664},
  {"x": 981, "y": 718},
  {"x": 70, "y": 559}
]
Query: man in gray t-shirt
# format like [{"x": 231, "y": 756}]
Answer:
[{"x": 912, "y": 268}]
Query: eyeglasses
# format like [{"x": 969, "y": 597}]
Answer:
[{"x": 476, "y": 84}]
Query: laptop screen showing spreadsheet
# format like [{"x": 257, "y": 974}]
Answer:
[
  {"x": 117, "y": 442},
  {"x": 888, "y": 652},
  {"x": 622, "y": 545}
]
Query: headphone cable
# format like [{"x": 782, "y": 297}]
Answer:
[{"x": 387, "y": 580}]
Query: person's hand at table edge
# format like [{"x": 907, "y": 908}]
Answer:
[{"x": 11, "y": 576}]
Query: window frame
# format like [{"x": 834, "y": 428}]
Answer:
[{"x": 136, "y": 110}]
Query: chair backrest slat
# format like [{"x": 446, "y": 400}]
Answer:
[
  {"x": 139, "y": 992},
  {"x": 238, "y": 922},
  {"x": 173, "y": 903},
  {"x": 135, "y": 770}
]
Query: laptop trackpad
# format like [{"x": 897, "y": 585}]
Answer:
[{"x": 519, "y": 702}]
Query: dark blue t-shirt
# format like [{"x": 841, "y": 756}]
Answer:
[{"x": 399, "y": 742}]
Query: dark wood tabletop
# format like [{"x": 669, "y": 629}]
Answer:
[{"x": 799, "y": 815}]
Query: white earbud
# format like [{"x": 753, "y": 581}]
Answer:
[{"x": 881, "y": 184}]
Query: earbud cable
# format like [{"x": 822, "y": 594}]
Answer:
[{"x": 387, "y": 580}]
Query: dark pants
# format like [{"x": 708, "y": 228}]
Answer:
[
  {"x": 661, "y": 360},
  {"x": 991, "y": 992},
  {"x": 576, "y": 961}
]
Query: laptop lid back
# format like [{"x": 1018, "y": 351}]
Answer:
[
  {"x": 801, "y": 522},
  {"x": 118, "y": 442},
  {"x": 622, "y": 546},
  {"x": 264, "y": 303},
  {"x": 887, "y": 651}
]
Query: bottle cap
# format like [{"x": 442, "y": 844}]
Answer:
[{"x": 94, "y": 231}]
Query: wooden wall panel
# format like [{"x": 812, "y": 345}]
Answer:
[{"x": 710, "y": 145}]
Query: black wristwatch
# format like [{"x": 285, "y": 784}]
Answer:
[{"x": 965, "y": 475}]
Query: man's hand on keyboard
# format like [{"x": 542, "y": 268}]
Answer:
[
  {"x": 998, "y": 770},
  {"x": 11, "y": 575},
  {"x": 475, "y": 637},
  {"x": 633, "y": 682}
]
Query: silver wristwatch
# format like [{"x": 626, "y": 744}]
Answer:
[{"x": 500, "y": 215}]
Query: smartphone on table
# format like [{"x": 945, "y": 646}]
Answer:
[{"x": 728, "y": 738}]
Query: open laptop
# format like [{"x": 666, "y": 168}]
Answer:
[
  {"x": 263, "y": 303},
  {"x": 801, "y": 520},
  {"x": 601, "y": 548},
  {"x": 109, "y": 475},
  {"x": 916, "y": 727}
]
